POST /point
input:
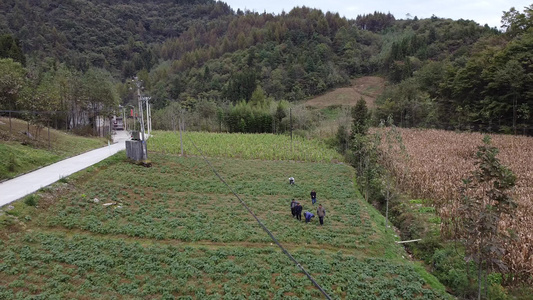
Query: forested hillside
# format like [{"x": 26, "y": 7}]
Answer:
[
  {"x": 206, "y": 57},
  {"x": 483, "y": 84},
  {"x": 115, "y": 35}
]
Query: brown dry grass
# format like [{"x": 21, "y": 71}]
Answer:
[
  {"x": 369, "y": 87},
  {"x": 438, "y": 160}
]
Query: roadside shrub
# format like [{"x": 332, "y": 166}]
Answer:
[
  {"x": 450, "y": 268},
  {"x": 12, "y": 163},
  {"x": 425, "y": 248},
  {"x": 86, "y": 130},
  {"x": 498, "y": 292},
  {"x": 31, "y": 200}
]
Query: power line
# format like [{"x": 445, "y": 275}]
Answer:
[{"x": 261, "y": 223}]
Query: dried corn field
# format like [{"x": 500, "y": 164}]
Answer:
[{"x": 438, "y": 160}]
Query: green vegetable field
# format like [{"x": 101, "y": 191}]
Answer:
[
  {"x": 174, "y": 231},
  {"x": 247, "y": 146}
]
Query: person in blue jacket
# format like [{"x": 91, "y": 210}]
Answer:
[{"x": 308, "y": 216}]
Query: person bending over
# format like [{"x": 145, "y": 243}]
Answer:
[{"x": 308, "y": 216}]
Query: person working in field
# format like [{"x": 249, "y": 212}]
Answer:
[
  {"x": 321, "y": 213},
  {"x": 313, "y": 197},
  {"x": 291, "y": 180},
  {"x": 308, "y": 216},
  {"x": 293, "y": 208},
  {"x": 298, "y": 211}
]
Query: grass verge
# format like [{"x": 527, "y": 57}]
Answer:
[{"x": 25, "y": 152}]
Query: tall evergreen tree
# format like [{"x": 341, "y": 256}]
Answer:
[
  {"x": 10, "y": 48},
  {"x": 358, "y": 137},
  {"x": 360, "y": 119}
]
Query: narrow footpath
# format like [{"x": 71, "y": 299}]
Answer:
[{"x": 21, "y": 186}]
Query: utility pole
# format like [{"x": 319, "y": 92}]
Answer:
[
  {"x": 149, "y": 118},
  {"x": 148, "y": 114},
  {"x": 122, "y": 112},
  {"x": 143, "y": 142},
  {"x": 124, "y": 118},
  {"x": 134, "y": 117}
]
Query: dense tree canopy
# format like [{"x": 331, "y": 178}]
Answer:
[
  {"x": 443, "y": 73},
  {"x": 485, "y": 86},
  {"x": 10, "y": 48},
  {"x": 107, "y": 34},
  {"x": 12, "y": 77}
]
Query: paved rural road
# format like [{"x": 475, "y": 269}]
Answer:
[{"x": 21, "y": 186}]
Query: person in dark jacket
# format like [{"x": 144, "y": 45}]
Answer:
[
  {"x": 321, "y": 213},
  {"x": 293, "y": 206},
  {"x": 298, "y": 211},
  {"x": 308, "y": 216},
  {"x": 313, "y": 197}
]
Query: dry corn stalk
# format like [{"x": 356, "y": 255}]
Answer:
[{"x": 439, "y": 160}]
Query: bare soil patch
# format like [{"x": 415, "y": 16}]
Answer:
[{"x": 368, "y": 87}]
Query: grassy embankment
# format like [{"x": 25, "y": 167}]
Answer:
[
  {"x": 21, "y": 153},
  {"x": 335, "y": 105},
  {"x": 174, "y": 230}
]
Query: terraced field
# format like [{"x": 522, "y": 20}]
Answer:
[{"x": 367, "y": 87}]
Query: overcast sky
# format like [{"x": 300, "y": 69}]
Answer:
[{"x": 482, "y": 11}]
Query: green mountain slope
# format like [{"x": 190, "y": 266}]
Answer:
[
  {"x": 105, "y": 34},
  {"x": 191, "y": 51}
]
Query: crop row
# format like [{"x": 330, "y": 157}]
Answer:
[
  {"x": 43, "y": 265},
  {"x": 181, "y": 199},
  {"x": 246, "y": 146}
]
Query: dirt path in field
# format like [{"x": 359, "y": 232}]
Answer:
[{"x": 369, "y": 87}]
